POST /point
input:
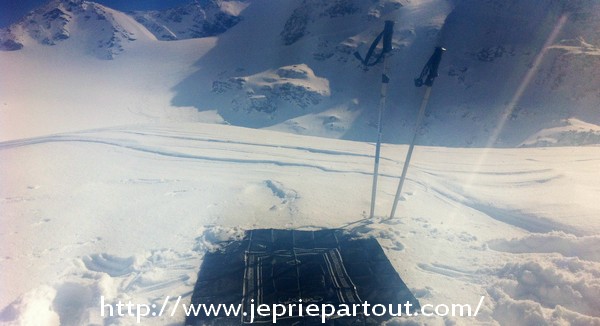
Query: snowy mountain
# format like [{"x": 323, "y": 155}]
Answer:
[
  {"x": 197, "y": 19},
  {"x": 510, "y": 70},
  {"x": 96, "y": 29}
]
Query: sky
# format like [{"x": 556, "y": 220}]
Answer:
[{"x": 13, "y": 10}]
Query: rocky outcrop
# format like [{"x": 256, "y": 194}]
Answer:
[
  {"x": 197, "y": 19},
  {"x": 291, "y": 86}
]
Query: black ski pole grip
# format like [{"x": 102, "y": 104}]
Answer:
[
  {"x": 388, "y": 32},
  {"x": 434, "y": 63}
]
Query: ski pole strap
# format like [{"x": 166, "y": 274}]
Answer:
[
  {"x": 430, "y": 71},
  {"x": 386, "y": 35}
]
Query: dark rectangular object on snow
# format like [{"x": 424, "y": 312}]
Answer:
[{"x": 283, "y": 266}]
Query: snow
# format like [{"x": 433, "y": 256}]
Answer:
[
  {"x": 129, "y": 24},
  {"x": 234, "y": 8},
  {"x": 115, "y": 92},
  {"x": 128, "y": 212},
  {"x": 119, "y": 175},
  {"x": 265, "y": 91}
]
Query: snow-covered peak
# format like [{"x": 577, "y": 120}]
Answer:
[{"x": 101, "y": 31}]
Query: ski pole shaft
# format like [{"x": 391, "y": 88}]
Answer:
[
  {"x": 379, "y": 136},
  {"x": 387, "y": 47},
  {"x": 410, "y": 150},
  {"x": 429, "y": 72}
]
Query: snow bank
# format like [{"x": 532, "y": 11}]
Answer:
[
  {"x": 32, "y": 308},
  {"x": 586, "y": 247},
  {"x": 557, "y": 291}
]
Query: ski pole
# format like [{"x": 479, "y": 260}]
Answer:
[
  {"x": 387, "y": 33},
  {"x": 431, "y": 70},
  {"x": 387, "y": 46}
]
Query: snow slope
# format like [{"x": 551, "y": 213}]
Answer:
[
  {"x": 45, "y": 91},
  {"x": 128, "y": 212}
]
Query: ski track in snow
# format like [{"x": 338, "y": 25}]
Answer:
[
  {"x": 164, "y": 152},
  {"x": 522, "y": 220},
  {"x": 518, "y": 219},
  {"x": 300, "y": 148}
]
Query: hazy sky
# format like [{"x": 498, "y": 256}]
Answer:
[{"x": 12, "y": 10}]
